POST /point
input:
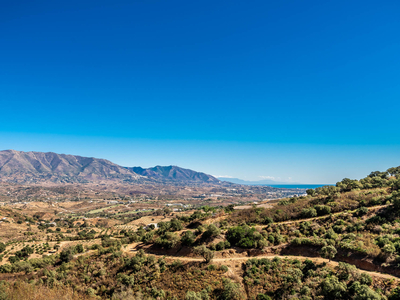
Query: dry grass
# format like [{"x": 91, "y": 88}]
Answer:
[{"x": 22, "y": 290}]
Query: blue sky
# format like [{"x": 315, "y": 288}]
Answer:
[{"x": 301, "y": 91}]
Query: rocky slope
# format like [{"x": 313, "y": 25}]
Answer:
[
  {"x": 33, "y": 167},
  {"x": 174, "y": 173}
]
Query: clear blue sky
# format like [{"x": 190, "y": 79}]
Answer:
[{"x": 307, "y": 91}]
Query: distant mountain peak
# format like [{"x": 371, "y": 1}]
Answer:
[
  {"x": 245, "y": 182},
  {"x": 174, "y": 173}
]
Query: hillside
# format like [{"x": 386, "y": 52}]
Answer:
[
  {"x": 33, "y": 167},
  {"x": 337, "y": 242},
  {"x": 174, "y": 173}
]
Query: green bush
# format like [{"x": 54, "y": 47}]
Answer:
[
  {"x": 188, "y": 238},
  {"x": 79, "y": 248},
  {"x": 207, "y": 254},
  {"x": 211, "y": 231},
  {"x": 67, "y": 254},
  {"x": 224, "y": 268},
  {"x": 243, "y": 236},
  {"x": 2, "y": 247},
  {"x": 309, "y": 213},
  {"x": 231, "y": 291},
  {"x": 167, "y": 240},
  {"x": 322, "y": 210}
]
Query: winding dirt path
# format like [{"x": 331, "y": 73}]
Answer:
[{"x": 132, "y": 250}]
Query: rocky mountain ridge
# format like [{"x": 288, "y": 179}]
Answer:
[
  {"x": 174, "y": 173},
  {"x": 33, "y": 167}
]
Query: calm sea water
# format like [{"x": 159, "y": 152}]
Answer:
[{"x": 298, "y": 186}]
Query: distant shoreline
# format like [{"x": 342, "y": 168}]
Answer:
[{"x": 297, "y": 186}]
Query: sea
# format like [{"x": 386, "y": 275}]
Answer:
[{"x": 298, "y": 186}]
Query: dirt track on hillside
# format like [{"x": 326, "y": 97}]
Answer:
[{"x": 132, "y": 249}]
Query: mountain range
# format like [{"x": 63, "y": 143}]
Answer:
[
  {"x": 32, "y": 167},
  {"x": 245, "y": 182},
  {"x": 173, "y": 173}
]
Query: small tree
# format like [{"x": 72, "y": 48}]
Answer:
[
  {"x": 67, "y": 254},
  {"x": 366, "y": 293},
  {"x": 229, "y": 208},
  {"x": 311, "y": 192},
  {"x": 2, "y": 247},
  {"x": 202, "y": 295},
  {"x": 79, "y": 248},
  {"x": 188, "y": 238},
  {"x": 176, "y": 225},
  {"x": 206, "y": 253},
  {"x": 389, "y": 249},
  {"x": 167, "y": 211},
  {"x": 328, "y": 252},
  {"x": 268, "y": 220},
  {"x": 332, "y": 288},
  {"x": 211, "y": 231},
  {"x": 309, "y": 213},
  {"x": 190, "y": 295},
  {"x": 231, "y": 291}
]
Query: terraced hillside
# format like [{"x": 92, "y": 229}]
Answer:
[{"x": 338, "y": 242}]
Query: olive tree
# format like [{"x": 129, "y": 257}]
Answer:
[
  {"x": 328, "y": 252},
  {"x": 206, "y": 253}
]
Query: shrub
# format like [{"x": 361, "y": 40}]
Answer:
[
  {"x": 362, "y": 211},
  {"x": 268, "y": 220},
  {"x": 231, "y": 291},
  {"x": 322, "y": 210},
  {"x": 364, "y": 292},
  {"x": 167, "y": 241},
  {"x": 332, "y": 288},
  {"x": 283, "y": 202},
  {"x": 67, "y": 254},
  {"x": 24, "y": 252},
  {"x": 211, "y": 231},
  {"x": 309, "y": 213},
  {"x": 202, "y": 295},
  {"x": 328, "y": 252},
  {"x": 262, "y": 243},
  {"x": 224, "y": 268},
  {"x": 176, "y": 225},
  {"x": 311, "y": 192},
  {"x": 365, "y": 279},
  {"x": 158, "y": 294},
  {"x": 148, "y": 237},
  {"x": 207, "y": 254},
  {"x": 220, "y": 246},
  {"x": 126, "y": 279},
  {"x": 79, "y": 248},
  {"x": 229, "y": 208},
  {"x": 243, "y": 236},
  {"x": 211, "y": 267},
  {"x": 188, "y": 238}
]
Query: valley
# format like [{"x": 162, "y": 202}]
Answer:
[{"x": 102, "y": 242}]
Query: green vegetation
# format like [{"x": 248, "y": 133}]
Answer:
[
  {"x": 357, "y": 221},
  {"x": 291, "y": 278}
]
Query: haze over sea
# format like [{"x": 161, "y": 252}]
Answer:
[{"x": 298, "y": 186}]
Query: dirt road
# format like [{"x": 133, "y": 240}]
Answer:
[{"x": 132, "y": 249}]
